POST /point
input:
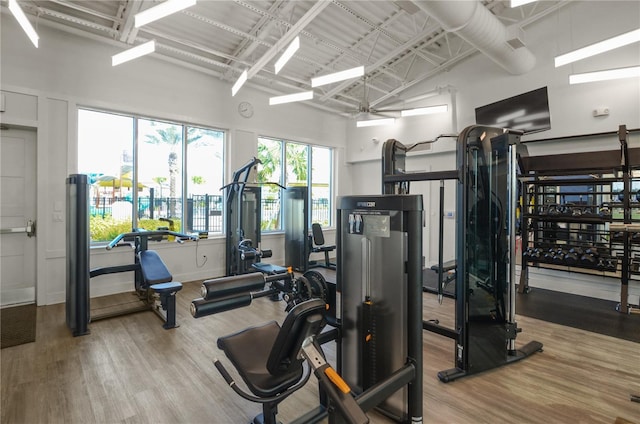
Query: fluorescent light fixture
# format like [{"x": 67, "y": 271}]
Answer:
[
  {"x": 160, "y": 11},
  {"x": 516, "y": 3},
  {"x": 133, "y": 53},
  {"x": 239, "y": 83},
  {"x": 424, "y": 110},
  {"x": 288, "y": 54},
  {"x": 375, "y": 122},
  {"x": 338, "y": 76},
  {"x": 297, "y": 97},
  {"x": 15, "y": 8},
  {"x": 597, "y": 48},
  {"x": 610, "y": 74}
]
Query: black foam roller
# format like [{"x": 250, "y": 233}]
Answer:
[
  {"x": 201, "y": 307},
  {"x": 235, "y": 284}
]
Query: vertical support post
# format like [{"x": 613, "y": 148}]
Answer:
[
  {"x": 441, "y": 245},
  {"x": 414, "y": 313},
  {"x": 77, "y": 252},
  {"x": 512, "y": 188},
  {"x": 626, "y": 205}
]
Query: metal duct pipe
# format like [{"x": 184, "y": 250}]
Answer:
[{"x": 475, "y": 24}]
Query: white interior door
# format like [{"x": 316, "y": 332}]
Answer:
[{"x": 17, "y": 216}]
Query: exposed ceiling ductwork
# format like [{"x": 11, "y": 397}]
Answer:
[{"x": 475, "y": 24}]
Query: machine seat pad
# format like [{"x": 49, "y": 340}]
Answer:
[
  {"x": 249, "y": 352},
  {"x": 269, "y": 269},
  {"x": 446, "y": 266},
  {"x": 154, "y": 271},
  {"x": 164, "y": 288}
]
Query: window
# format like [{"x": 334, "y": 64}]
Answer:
[
  {"x": 298, "y": 160},
  {"x": 177, "y": 183}
]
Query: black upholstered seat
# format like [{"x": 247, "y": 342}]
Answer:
[
  {"x": 318, "y": 245},
  {"x": 266, "y": 356}
]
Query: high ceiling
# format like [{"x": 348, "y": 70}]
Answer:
[{"x": 399, "y": 43}]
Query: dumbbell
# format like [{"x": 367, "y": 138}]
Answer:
[
  {"x": 548, "y": 255},
  {"x": 557, "y": 256},
  {"x": 572, "y": 257},
  {"x": 604, "y": 211},
  {"x": 553, "y": 210},
  {"x": 535, "y": 254},
  {"x": 588, "y": 259}
]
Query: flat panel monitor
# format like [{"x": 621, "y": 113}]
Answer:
[{"x": 528, "y": 112}]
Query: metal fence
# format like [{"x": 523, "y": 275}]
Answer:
[{"x": 204, "y": 212}]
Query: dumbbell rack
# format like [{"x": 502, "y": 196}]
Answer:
[{"x": 581, "y": 213}]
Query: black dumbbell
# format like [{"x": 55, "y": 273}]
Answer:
[
  {"x": 558, "y": 258},
  {"x": 588, "y": 259},
  {"x": 548, "y": 255},
  {"x": 571, "y": 258}
]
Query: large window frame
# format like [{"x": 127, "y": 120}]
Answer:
[
  {"x": 320, "y": 205},
  {"x": 185, "y": 208}
]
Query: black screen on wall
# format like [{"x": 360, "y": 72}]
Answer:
[{"x": 528, "y": 112}]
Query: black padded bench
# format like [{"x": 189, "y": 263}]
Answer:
[
  {"x": 446, "y": 266},
  {"x": 157, "y": 277},
  {"x": 269, "y": 269}
]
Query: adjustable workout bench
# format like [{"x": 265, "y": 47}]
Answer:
[{"x": 157, "y": 278}]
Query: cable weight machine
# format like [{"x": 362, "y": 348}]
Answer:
[
  {"x": 242, "y": 224},
  {"x": 486, "y": 198}
]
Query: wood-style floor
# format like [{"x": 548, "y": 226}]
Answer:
[{"x": 131, "y": 370}]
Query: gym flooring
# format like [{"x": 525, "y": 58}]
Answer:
[{"x": 131, "y": 370}]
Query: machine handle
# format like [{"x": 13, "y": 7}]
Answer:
[
  {"x": 223, "y": 371},
  {"x": 342, "y": 400},
  {"x": 147, "y": 234},
  {"x": 333, "y": 385}
]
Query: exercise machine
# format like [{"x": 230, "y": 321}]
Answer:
[
  {"x": 377, "y": 304},
  {"x": 379, "y": 284},
  {"x": 298, "y": 243},
  {"x": 242, "y": 224},
  {"x": 318, "y": 245},
  {"x": 153, "y": 283},
  {"x": 269, "y": 357},
  {"x": 487, "y": 162},
  {"x": 295, "y": 202}
]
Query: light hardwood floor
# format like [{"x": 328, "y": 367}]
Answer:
[{"x": 131, "y": 370}]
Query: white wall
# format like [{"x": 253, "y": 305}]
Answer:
[
  {"x": 479, "y": 81},
  {"x": 68, "y": 71}
]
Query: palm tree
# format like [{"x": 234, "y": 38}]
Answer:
[
  {"x": 172, "y": 136},
  {"x": 297, "y": 161}
]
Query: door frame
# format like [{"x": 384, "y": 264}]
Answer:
[{"x": 33, "y": 132}]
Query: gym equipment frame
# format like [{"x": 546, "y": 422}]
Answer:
[
  {"x": 295, "y": 202},
  {"x": 487, "y": 162},
  {"x": 242, "y": 223},
  {"x": 154, "y": 285},
  {"x": 379, "y": 288},
  {"x": 581, "y": 213}
]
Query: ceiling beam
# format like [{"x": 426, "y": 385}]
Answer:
[
  {"x": 384, "y": 59},
  {"x": 293, "y": 32},
  {"x": 128, "y": 31}
]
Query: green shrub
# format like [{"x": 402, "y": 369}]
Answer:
[{"x": 106, "y": 229}]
